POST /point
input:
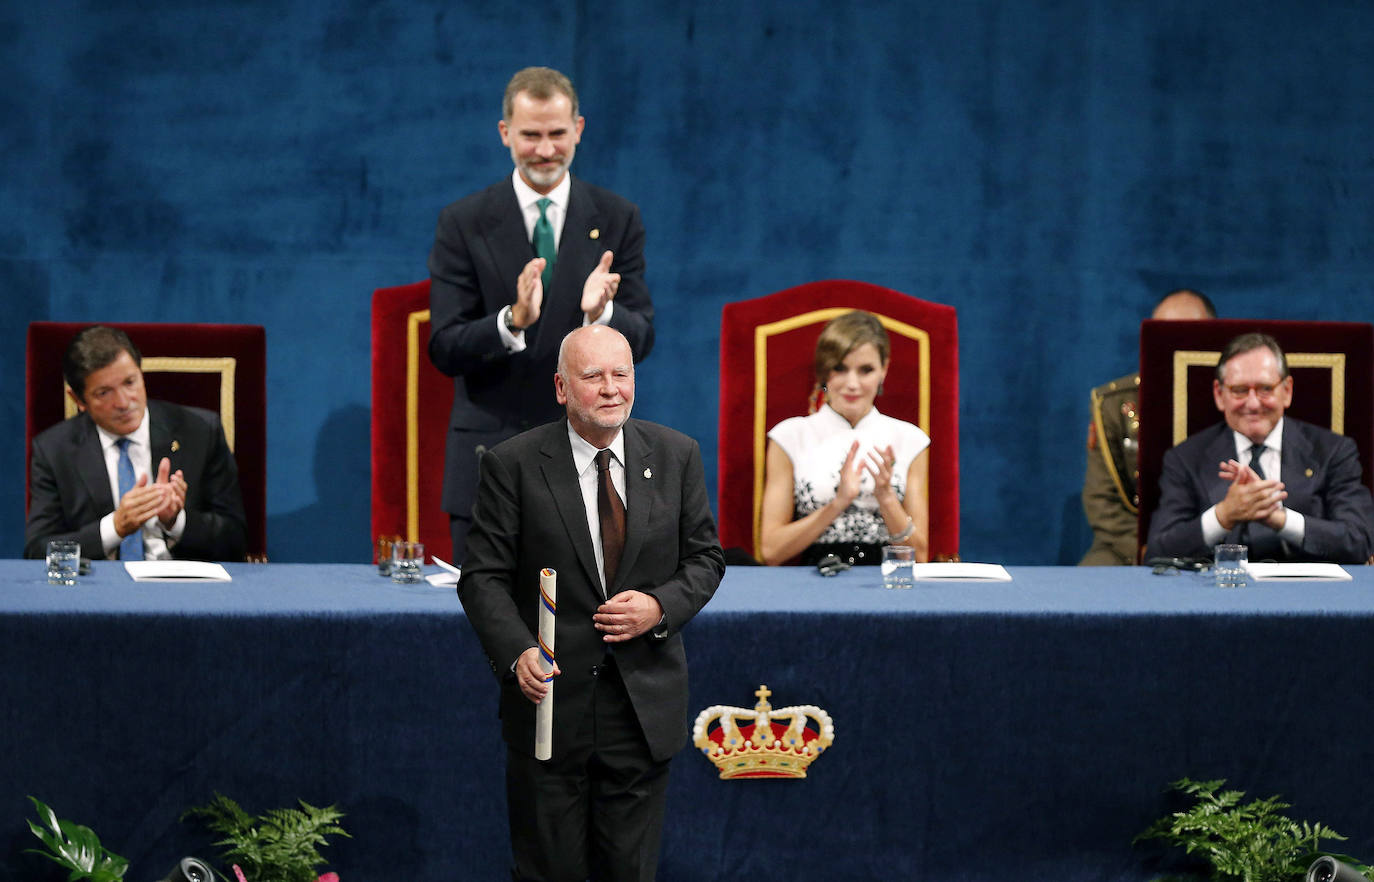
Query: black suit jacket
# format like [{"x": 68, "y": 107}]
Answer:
[
  {"x": 1319, "y": 469},
  {"x": 529, "y": 515},
  {"x": 480, "y": 247},
  {"x": 69, "y": 485}
]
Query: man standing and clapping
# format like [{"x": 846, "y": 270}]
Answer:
[{"x": 515, "y": 267}]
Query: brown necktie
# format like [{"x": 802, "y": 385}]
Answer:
[{"x": 611, "y": 512}]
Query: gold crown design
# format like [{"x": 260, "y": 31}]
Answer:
[{"x": 785, "y": 750}]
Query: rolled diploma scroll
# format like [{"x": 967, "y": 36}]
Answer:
[{"x": 543, "y": 714}]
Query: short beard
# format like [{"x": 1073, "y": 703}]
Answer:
[{"x": 544, "y": 177}]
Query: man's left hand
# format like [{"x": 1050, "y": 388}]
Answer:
[
  {"x": 599, "y": 288},
  {"x": 627, "y": 615},
  {"x": 174, "y": 496}
]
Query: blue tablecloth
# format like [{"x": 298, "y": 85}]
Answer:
[{"x": 1021, "y": 730}]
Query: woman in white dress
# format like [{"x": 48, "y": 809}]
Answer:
[{"x": 846, "y": 480}]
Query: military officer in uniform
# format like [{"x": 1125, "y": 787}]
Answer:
[{"x": 1110, "y": 498}]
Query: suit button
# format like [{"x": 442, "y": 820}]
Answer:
[{"x": 596, "y": 670}]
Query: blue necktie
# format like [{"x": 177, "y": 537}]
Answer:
[
  {"x": 543, "y": 244},
  {"x": 131, "y": 546}
]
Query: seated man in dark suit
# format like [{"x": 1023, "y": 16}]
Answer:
[
  {"x": 169, "y": 467},
  {"x": 1288, "y": 489}
]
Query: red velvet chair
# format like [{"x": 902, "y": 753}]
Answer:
[
  {"x": 1332, "y": 364},
  {"x": 766, "y": 348},
  {"x": 222, "y": 368},
  {"x": 411, "y": 401}
]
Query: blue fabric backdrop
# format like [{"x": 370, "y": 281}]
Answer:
[{"x": 1049, "y": 168}]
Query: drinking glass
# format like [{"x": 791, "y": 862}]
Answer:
[
  {"x": 407, "y": 559},
  {"x": 64, "y": 561},
  {"x": 896, "y": 566},
  {"x": 383, "y": 553},
  {"x": 1229, "y": 564}
]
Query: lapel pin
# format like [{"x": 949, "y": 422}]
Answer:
[
  {"x": 594, "y": 234},
  {"x": 176, "y": 445},
  {"x": 648, "y": 473},
  {"x": 1308, "y": 473}
]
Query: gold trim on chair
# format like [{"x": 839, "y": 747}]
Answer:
[
  {"x": 225, "y": 366},
  {"x": 413, "y": 322},
  {"x": 1188, "y": 358},
  {"x": 1184, "y": 359},
  {"x": 765, "y": 331},
  {"x": 1335, "y": 362}
]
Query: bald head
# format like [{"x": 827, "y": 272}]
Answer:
[
  {"x": 596, "y": 382},
  {"x": 1184, "y": 305}
]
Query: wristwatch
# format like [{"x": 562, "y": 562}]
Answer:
[{"x": 510, "y": 321}]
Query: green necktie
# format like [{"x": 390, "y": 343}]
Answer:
[{"x": 543, "y": 243}]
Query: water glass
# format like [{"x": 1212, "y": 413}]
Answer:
[
  {"x": 1230, "y": 563},
  {"x": 896, "y": 566},
  {"x": 64, "y": 561},
  {"x": 383, "y": 554},
  {"x": 407, "y": 560}
]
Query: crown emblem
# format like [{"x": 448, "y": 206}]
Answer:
[{"x": 763, "y": 747}]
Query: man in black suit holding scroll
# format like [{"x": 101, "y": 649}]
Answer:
[{"x": 629, "y": 577}]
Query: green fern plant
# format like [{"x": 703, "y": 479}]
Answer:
[
  {"x": 75, "y": 848},
  {"x": 281, "y": 845},
  {"x": 1251, "y": 842}
]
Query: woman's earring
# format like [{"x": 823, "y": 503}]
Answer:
[{"x": 880, "y": 388}]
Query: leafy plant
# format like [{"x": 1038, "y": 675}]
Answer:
[
  {"x": 75, "y": 847},
  {"x": 281, "y": 845},
  {"x": 1253, "y": 842}
]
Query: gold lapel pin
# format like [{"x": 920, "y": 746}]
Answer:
[
  {"x": 594, "y": 234},
  {"x": 176, "y": 445},
  {"x": 648, "y": 473},
  {"x": 1308, "y": 473}
]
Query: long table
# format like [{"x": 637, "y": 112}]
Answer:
[{"x": 983, "y": 731}]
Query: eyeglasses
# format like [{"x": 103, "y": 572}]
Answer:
[{"x": 1263, "y": 391}]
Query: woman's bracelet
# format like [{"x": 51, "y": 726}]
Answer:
[{"x": 905, "y": 534}]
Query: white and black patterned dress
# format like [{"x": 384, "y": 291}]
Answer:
[{"x": 817, "y": 445}]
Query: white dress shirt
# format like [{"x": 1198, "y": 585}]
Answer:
[
  {"x": 556, "y": 213},
  {"x": 157, "y": 542},
  {"x": 584, "y": 460},
  {"x": 1294, "y": 525}
]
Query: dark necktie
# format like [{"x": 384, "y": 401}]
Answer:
[
  {"x": 131, "y": 546},
  {"x": 543, "y": 244},
  {"x": 611, "y": 513},
  {"x": 1255, "y": 452}
]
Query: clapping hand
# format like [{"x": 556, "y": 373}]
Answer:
[
  {"x": 529, "y": 294},
  {"x": 1249, "y": 497},
  {"x": 599, "y": 288}
]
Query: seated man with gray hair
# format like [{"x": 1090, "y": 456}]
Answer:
[{"x": 1290, "y": 490}]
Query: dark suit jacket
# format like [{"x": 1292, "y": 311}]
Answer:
[
  {"x": 529, "y": 515},
  {"x": 480, "y": 247},
  {"x": 1319, "y": 469},
  {"x": 69, "y": 485}
]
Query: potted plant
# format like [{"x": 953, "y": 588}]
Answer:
[
  {"x": 1251, "y": 842},
  {"x": 281, "y": 845}
]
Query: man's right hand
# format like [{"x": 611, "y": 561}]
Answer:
[
  {"x": 531, "y": 677},
  {"x": 529, "y": 294},
  {"x": 138, "y": 505}
]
